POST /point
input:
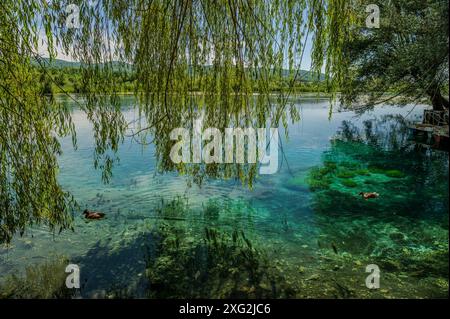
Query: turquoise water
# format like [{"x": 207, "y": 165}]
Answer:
[{"x": 310, "y": 234}]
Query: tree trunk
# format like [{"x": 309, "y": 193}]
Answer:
[{"x": 439, "y": 102}]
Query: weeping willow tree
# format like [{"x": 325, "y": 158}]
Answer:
[
  {"x": 405, "y": 60},
  {"x": 225, "y": 49}
]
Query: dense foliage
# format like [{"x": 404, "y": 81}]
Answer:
[
  {"x": 67, "y": 78},
  {"x": 406, "y": 57}
]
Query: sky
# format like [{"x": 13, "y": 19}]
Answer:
[{"x": 43, "y": 51}]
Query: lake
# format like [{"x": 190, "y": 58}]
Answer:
[{"x": 303, "y": 232}]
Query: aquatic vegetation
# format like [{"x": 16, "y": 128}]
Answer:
[
  {"x": 319, "y": 178},
  {"x": 209, "y": 263},
  {"x": 315, "y": 185},
  {"x": 375, "y": 170},
  {"x": 212, "y": 210},
  {"x": 362, "y": 172},
  {"x": 349, "y": 165},
  {"x": 330, "y": 164},
  {"x": 394, "y": 173},
  {"x": 391, "y": 247},
  {"x": 173, "y": 209},
  {"x": 45, "y": 281},
  {"x": 398, "y": 237},
  {"x": 404, "y": 232},
  {"x": 349, "y": 183},
  {"x": 415, "y": 263},
  {"x": 352, "y": 173},
  {"x": 217, "y": 266},
  {"x": 346, "y": 174},
  {"x": 335, "y": 202}
]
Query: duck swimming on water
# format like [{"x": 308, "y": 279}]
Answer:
[
  {"x": 88, "y": 214},
  {"x": 369, "y": 195}
]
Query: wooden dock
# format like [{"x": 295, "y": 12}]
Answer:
[{"x": 433, "y": 130}]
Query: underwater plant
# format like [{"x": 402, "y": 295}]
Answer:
[
  {"x": 362, "y": 172},
  {"x": 210, "y": 263},
  {"x": 394, "y": 173},
  {"x": 212, "y": 210},
  {"x": 319, "y": 178},
  {"x": 349, "y": 183},
  {"x": 45, "y": 281},
  {"x": 346, "y": 174},
  {"x": 375, "y": 169}
]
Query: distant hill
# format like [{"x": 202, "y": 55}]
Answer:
[
  {"x": 63, "y": 64},
  {"x": 304, "y": 75},
  {"x": 58, "y": 64}
]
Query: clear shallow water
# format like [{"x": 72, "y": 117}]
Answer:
[{"x": 307, "y": 220}]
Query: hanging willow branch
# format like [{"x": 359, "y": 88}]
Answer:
[{"x": 191, "y": 59}]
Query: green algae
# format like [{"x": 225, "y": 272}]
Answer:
[
  {"x": 394, "y": 173},
  {"x": 319, "y": 178},
  {"x": 211, "y": 210},
  {"x": 349, "y": 165},
  {"x": 404, "y": 232},
  {"x": 349, "y": 183},
  {"x": 346, "y": 174},
  {"x": 217, "y": 264},
  {"x": 376, "y": 170},
  {"x": 362, "y": 172},
  {"x": 330, "y": 164},
  {"x": 320, "y": 184}
]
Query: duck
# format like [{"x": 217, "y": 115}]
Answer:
[
  {"x": 93, "y": 215},
  {"x": 369, "y": 195}
]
